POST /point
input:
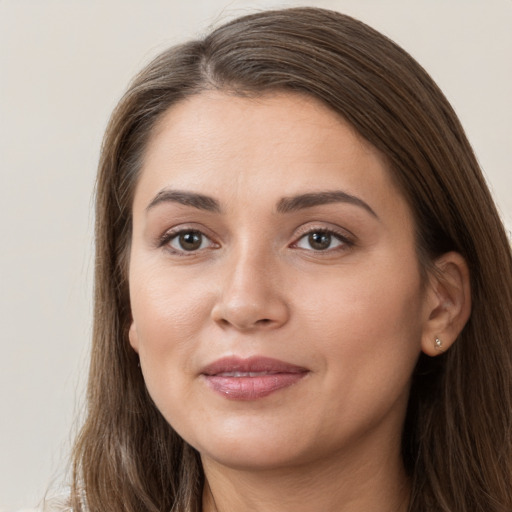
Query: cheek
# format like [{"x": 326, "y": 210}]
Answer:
[
  {"x": 168, "y": 317},
  {"x": 369, "y": 329},
  {"x": 367, "y": 349},
  {"x": 370, "y": 302},
  {"x": 166, "y": 307}
]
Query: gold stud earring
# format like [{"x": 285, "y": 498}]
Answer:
[{"x": 438, "y": 344}]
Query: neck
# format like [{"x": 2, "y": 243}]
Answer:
[{"x": 354, "y": 485}]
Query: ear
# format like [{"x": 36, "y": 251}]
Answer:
[
  {"x": 448, "y": 303},
  {"x": 133, "y": 337}
]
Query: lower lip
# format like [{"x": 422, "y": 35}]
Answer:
[{"x": 252, "y": 388}]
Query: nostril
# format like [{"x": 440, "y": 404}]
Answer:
[{"x": 249, "y": 314}]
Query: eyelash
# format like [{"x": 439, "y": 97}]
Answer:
[
  {"x": 169, "y": 236},
  {"x": 345, "y": 243}
]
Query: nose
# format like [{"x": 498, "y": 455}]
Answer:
[{"x": 252, "y": 296}]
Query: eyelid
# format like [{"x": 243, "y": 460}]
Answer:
[
  {"x": 343, "y": 235},
  {"x": 172, "y": 233}
]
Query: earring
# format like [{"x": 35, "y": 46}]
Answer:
[{"x": 438, "y": 344}]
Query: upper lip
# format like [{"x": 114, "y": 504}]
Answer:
[{"x": 254, "y": 364}]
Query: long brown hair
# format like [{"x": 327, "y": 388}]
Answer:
[{"x": 457, "y": 439}]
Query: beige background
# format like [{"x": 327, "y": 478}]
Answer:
[{"x": 63, "y": 65}]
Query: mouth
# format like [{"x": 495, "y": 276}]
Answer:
[{"x": 250, "y": 379}]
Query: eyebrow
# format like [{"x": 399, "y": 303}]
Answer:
[
  {"x": 295, "y": 203},
  {"x": 199, "y": 201},
  {"x": 284, "y": 205}
]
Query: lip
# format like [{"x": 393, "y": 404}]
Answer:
[{"x": 252, "y": 378}]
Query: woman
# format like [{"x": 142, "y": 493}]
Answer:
[{"x": 303, "y": 288}]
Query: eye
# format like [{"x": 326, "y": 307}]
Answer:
[
  {"x": 321, "y": 240},
  {"x": 189, "y": 240}
]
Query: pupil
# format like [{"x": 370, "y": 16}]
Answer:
[
  {"x": 320, "y": 241},
  {"x": 190, "y": 241}
]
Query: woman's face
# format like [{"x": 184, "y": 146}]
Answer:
[{"x": 276, "y": 295}]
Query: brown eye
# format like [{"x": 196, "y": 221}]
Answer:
[
  {"x": 189, "y": 241},
  {"x": 321, "y": 240}
]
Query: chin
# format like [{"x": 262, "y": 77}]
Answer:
[
  {"x": 258, "y": 456},
  {"x": 250, "y": 447}
]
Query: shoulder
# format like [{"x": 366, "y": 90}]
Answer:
[
  {"x": 56, "y": 503},
  {"x": 51, "y": 505}
]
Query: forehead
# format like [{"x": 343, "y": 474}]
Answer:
[
  {"x": 213, "y": 119},
  {"x": 279, "y": 144}
]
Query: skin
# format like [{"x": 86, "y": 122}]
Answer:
[{"x": 355, "y": 313}]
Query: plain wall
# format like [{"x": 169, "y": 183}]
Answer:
[{"x": 63, "y": 66}]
